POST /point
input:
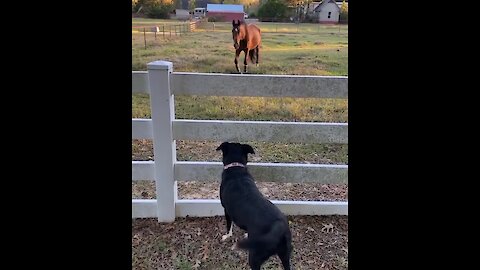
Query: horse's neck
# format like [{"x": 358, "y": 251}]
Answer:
[{"x": 246, "y": 33}]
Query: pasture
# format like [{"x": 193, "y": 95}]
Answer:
[
  {"x": 309, "y": 51},
  {"x": 306, "y": 49}
]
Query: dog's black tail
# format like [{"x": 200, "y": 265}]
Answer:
[{"x": 268, "y": 240}]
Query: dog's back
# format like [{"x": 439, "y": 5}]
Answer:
[{"x": 267, "y": 226}]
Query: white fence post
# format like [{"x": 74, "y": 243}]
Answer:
[{"x": 163, "y": 113}]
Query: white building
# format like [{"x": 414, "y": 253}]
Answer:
[
  {"x": 181, "y": 14},
  {"x": 327, "y": 12},
  {"x": 199, "y": 12}
]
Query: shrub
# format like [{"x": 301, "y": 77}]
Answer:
[
  {"x": 159, "y": 11},
  {"x": 215, "y": 19},
  {"x": 273, "y": 9},
  {"x": 153, "y": 8},
  {"x": 343, "y": 18}
]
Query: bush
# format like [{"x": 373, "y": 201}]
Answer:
[
  {"x": 273, "y": 9},
  {"x": 252, "y": 15},
  {"x": 152, "y": 8},
  {"x": 343, "y": 18},
  {"x": 215, "y": 19},
  {"x": 159, "y": 11},
  {"x": 310, "y": 19}
]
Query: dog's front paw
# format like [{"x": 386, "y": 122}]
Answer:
[
  {"x": 226, "y": 236},
  {"x": 245, "y": 235}
]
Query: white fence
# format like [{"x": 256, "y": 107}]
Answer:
[{"x": 162, "y": 83}]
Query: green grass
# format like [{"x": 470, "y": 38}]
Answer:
[
  {"x": 162, "y": 246},
  {"x": 302, "y": 28},
  {"x": 304, "y": 53},
  {"x": 314, "y": 50},
  {"x": 183, "y": 264},
  {"x": 259, "y": 109}
]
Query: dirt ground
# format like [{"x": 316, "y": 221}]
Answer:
[{"x": 320, "y": 242}]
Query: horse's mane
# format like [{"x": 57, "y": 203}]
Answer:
[{"x": 246, "y": 28}]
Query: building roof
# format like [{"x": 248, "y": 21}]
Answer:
[
  {"x": 319, "y": 7},
  {"x": 225, "y": 8}
]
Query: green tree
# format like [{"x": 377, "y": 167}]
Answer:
[
  {"x": 343, "y": 12},
  {"x": 156, "y": 8},
  {"x": 273, "y": 9},
  {"x": 191, "y": 4},
  {"x": 134, "y": 5},
  {"x": 344, "y": 7},
  {"x": 177, "y": 3},
  {"x": 292, "y": 3}
]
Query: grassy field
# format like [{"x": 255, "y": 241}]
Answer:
[
  {"x": 314, "y": 50},
  {"x": 305, "y": 49}
]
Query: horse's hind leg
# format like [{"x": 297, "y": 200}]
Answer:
[
  {"x": 245, "y": 61},
  {"x": 256, "y": 54},
  {"x": 252, "y": 56}
]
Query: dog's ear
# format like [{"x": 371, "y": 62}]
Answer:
[
  {"x": 247, "y": 149},
  {"x": 233, "y": 23},
  {"x": 222, "y": 146}
]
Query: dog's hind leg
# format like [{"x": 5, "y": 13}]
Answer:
[
  {"x": 255, "y": 260},
  {"x": 229, "y": 227},
  {"x": 285, "y": 262},
  {"x": 284, "y": 254}
]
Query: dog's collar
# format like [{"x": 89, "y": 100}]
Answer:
[{"x": 233, "y": 164}]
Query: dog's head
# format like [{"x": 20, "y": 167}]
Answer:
[{"x": 235, "y": 152}]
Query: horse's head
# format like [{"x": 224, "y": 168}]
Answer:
[{"x": 238, "y": 33}]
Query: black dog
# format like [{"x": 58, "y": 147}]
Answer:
[{"x": 266, "y": 226}]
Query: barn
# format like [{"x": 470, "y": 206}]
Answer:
[
  {"x": 327, "y": 12},
  {"x": 225, "y": 13}
]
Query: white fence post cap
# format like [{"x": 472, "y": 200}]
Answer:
[{"x": 160, "y": 65}]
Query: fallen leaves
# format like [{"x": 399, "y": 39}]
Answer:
[
  {"x": 328, "y": 228},
  {"x": 194, "y": 243}
]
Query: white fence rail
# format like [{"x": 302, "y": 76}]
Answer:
[
  {"x": 251, "y": 85},
  {"x": 271, "y": 172},
  {"x": 162, "y": 83},
  {"x": 267, "y": 131}
]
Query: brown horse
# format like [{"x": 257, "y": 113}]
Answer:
[{"x": 246, "y": 38}]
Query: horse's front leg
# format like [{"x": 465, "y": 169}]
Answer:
[
  {"x": 245, "y": 60},
  {"x": 237, "y": 54}
]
